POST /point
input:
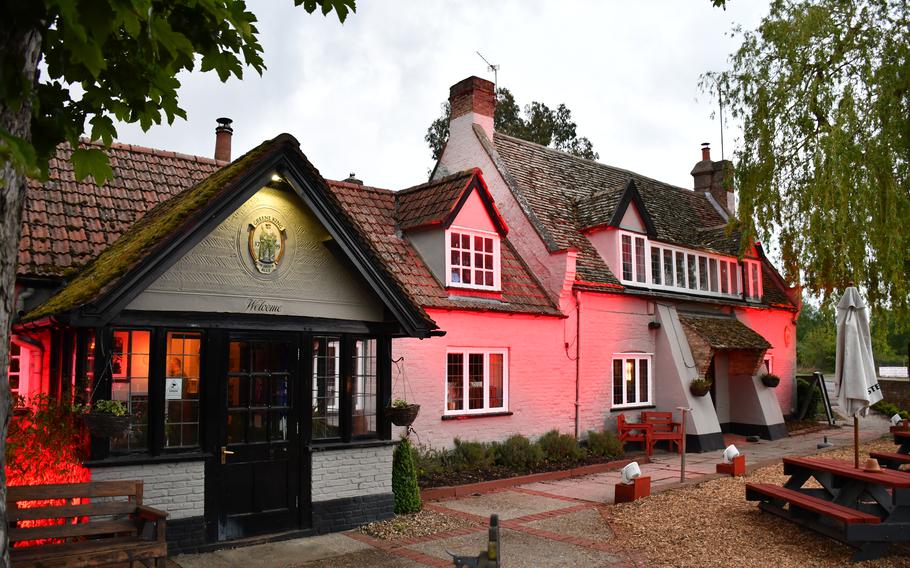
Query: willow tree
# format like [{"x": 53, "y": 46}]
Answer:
[
  {"x": 104, "y": 60},
  {"x": 822, "y": 88}
]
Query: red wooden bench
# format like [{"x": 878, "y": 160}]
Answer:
[
  {"x": 777, "y": 495},
  {"x": 634, "y": 432},
  {"x": 891, "y": 460},
  {"x": 663, "y": 429},
  {"x": 109, "y": 530}
]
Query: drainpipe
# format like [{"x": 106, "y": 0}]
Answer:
[{"x": 577, "y": 365}]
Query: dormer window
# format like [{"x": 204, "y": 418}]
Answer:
[
  {"x": 472, "y": 259},
  {"x": 753, "y": 283}
]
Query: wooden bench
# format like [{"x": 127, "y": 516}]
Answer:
[
  {"x": 663, "y": 429},
  {"x": 110, "y": 530},
  {"x": 891, "y": 460},
  {"x": 777, "y": 496},
  {"x": 634, "y": 432}
]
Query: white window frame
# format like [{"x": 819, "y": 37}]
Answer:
[
  {"x": 735, "y": 283},
  {"x": 769, "y": 363},
  {"x": 24, "y": 371},
  {"x": 751, "y": 294},
  {"x": 497, "y": 264},
  {"x": 637, "y": 357},
  {"x": 465, "y": 385}
]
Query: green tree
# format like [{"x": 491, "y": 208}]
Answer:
[
  {"x": 539, "y": 124},
  {"x": 823, "y": 92},
  {"x": 104, "y": 60}
]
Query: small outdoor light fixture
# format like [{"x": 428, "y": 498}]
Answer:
[
  {"x": 896, "y": 419},
  {"x": 276, "y": 177},
  {"x": 629, "y": 473},
  {"x": 730, "y": 453}
]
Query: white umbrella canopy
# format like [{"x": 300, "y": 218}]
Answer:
[{"x": 854, "y": 372}]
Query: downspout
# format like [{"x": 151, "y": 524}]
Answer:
[{"x": 577, "y": 364}]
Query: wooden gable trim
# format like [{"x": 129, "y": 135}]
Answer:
[
  {"x": 631, "y": 195},
  {"x": 477, "y": 183}
]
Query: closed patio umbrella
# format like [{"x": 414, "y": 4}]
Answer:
[{"x": 854, "y": 372}]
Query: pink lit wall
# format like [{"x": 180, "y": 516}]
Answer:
[
  {"x": 778, "y": 327},
  {"x": 541, "y": 375}
]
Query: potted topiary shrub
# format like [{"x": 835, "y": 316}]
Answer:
[
  {"x": 107, "y": 419},
  {"x": 770, "y": 380},
  {"x": 700, "y": 386},
  {"x": 402, "y": 412}
]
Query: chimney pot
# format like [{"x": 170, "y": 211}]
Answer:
[
  {"x": 715, "y": 178},
  {"x": 705, "y": 151},
  {"x": 353, "y": 179},
  {"x": 223, "y": 134}
]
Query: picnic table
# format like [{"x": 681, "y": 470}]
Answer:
[
  {"x": 863, "y": 509},
  {"x": 902, "y": 439}
]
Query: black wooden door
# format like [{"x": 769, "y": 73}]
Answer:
[{"x": 259, "y": 481}]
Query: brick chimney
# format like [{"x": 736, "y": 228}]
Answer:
[
  {"x": 223, "y": 133},
  {"x": 715, "y": 178},
  {"x": 472, "y": 101}
]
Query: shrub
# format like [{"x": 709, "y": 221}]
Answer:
[
  {"x": 803, "y": 389},
  {"x": 560, "y": 448},
  {"x": 518, "y": 453},
  {"x": 890, "y": 410},
  {"x": 404, "y": 480},
  {"x": 604, "y": 444},
  {"x": 472, "y": 456}
]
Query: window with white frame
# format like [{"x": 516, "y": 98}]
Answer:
[
  {"x": 632, "y": 374},
  {"x": 753, "y": 284},
  {"x": 472, "y": 259},
  {"x": 769, "y": 363},
  {"x": 477, "y": 381},
  {"x": 669, "y": 267},
  {"x": 18, "y": 369}
]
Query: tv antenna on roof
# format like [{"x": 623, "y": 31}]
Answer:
[{"x": 494, "y": 69}]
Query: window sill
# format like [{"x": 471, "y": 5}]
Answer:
[
  {"x": 145, "y": 459},
  {"x": 471, "y": 416},
  {"x": 354, "y": 444},
  {"x": 635, "y": 407}
]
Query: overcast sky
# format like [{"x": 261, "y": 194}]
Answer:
[{"x": 360, "y": 96}]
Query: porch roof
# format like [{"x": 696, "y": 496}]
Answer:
[{"x": 723, "y": 332}]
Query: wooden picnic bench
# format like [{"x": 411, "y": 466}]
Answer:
[
  {"x": 663, "y": 429},
  {"x": 114, "y": 528},
  {"x": 891, "y": 460},
  {"x": 902, "y": 439},
  {"x": 866, "y": 510}
]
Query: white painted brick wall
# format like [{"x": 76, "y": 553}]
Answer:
[
  {"x": 339, "y": 474},
  {"x": 177, "y": 488}
]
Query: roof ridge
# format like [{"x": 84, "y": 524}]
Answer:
[
  {"x": 446, "y": 179},
  {"x": 155, "y": 151},
  {"x": 596, "y": 163},
  {"x": 360, "y": 186}
]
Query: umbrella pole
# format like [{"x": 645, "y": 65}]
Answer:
[{"x": 856, "y": 441}]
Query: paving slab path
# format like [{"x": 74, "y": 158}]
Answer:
[{"x": 554, "y": 523}]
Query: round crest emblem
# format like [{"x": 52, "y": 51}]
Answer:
[{"x": 266, "y": 243}]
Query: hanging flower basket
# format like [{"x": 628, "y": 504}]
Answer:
[
  {"x": 402, "y": 413},
  {"x": 770, "y": 381},
  {"x": 104, "y": 425},
  {"x": 700, "y": 387}
]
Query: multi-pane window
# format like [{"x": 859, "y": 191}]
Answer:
[
  {"x": 472, "y": 259},
  {"x": 258, "y": 395},
  {"x": 181, "y": 389},
  {"x": 476, "y": 381},
  {"x": 326, "y": 387},
  {"x": 631, "y": 379},
  {"x": 364, "y": 388},
  {"x": 670, "y": 267},
  {"x": 18, "y": 369},
  {"x": 130, "y": 375}
]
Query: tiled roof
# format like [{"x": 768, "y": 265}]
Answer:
[
  {"x": 723, "y": 332},
  {"x": 67, "y": 223},
  {"x": 431, "y": 203},
  {"x": 566, "y": 195},
  {"x": 373, "y": 209}
]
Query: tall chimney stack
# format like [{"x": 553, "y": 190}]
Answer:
[
  {"x": 474, "y": 99},
  {"x": 715, "y": 178},
  {"x": 223, "y": 134}
]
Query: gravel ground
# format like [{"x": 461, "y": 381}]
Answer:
[
  {"x": 420, "y": 524},
  {"x": 712, "y": 524}
]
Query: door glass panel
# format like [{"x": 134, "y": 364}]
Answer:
[
  {"x": 236, "y": 426},
  {"x": 279, "y": 390},
  {"x": 278, "y": 426},
  {"x": 238, "y": 391},
  {"x": 326, "y": 383},
  {"x": 259, "y": 393},
  {"x": 257, "y": 428},
  {"x": 238, "y": 357}
]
